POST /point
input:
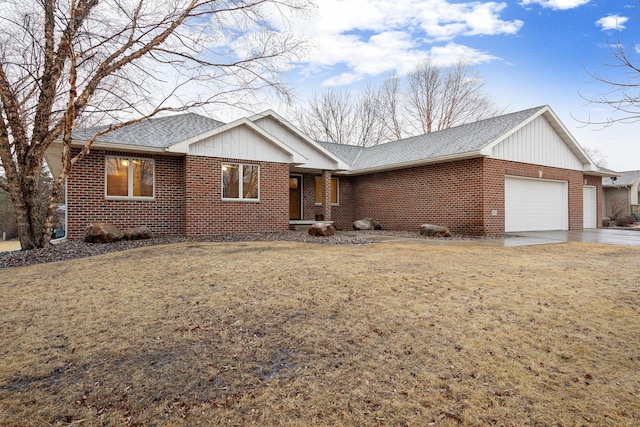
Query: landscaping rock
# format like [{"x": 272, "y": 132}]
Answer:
[
  {"x": 138, "y": 233},
  {"x": 321, "y": 229},
  {"x": 434, "y": 231},
  {"x": 101, "y": 232},
  {"x": 367, "y": 224}
]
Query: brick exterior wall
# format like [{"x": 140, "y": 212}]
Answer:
[
  {"x": 188, "y": 198},
  {"x": 495, "y": 170},
  {"x": 448, "y": 194},
  {"x": 86, "y": 202},
  {"x": 460, "y": 195},
  {"x": 207, "y": 213}
]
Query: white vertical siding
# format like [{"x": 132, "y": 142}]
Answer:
[
  {"x": 239, "y": 143},
  {"x": 317, "y": 160},
  {"x": 537, "y": 143}
]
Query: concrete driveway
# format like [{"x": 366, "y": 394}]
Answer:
[
  {"x": 525, "y": 238},
  {"x": 607, "y": 236}
]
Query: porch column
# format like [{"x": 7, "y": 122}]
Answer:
[{"x": 326, "y": 195}]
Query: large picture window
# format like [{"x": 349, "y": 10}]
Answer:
[
  {"x": 129, "y": 178},
  {"x": 240, "y": 182},
  {"x": 335, "y": 187}
]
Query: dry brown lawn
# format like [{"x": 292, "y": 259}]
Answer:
[{"x": 277, "y": 333}]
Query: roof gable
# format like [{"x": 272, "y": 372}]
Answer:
[
  {"x": 317, "y": 156},
  {"x": 240, "y": 139},
  {"x": 539, "y": 143}
]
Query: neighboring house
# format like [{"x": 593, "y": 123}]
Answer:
[
  {"x": 190, "y": 175},
  {"x": 621, "y": 194}
]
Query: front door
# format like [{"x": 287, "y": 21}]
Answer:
[{"x": 295, "y": 197}]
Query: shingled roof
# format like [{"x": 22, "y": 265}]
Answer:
[
  {"x": 456, "y": 141},
  {"x": 156, "y": 132},
  {"x": 624, "y": 179}
]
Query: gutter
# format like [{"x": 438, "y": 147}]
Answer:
[{"x": 415, "y": 163}]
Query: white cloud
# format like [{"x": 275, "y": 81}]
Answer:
[
  {"x": 373, "y": 37},
  {"x": 556, "y": 4},
  {"x": 612, "y": 22}
]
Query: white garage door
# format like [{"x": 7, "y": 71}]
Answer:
[
  {"x": 590, "y": 219},
  {"x": 535, "y": 204}
]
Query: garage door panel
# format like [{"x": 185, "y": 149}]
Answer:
[
  {"x": 589, "y": 207},
  {"x": 535, "y": 204}
]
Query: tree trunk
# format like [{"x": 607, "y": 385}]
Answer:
[{"x": 29, "y": 218}]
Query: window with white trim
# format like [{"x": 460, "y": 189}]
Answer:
[
  {"x": 240, "y": 182},
  {"x": 129, "y": 178},
  {"x": 335, "y": 191}
]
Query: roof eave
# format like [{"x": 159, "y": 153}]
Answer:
[
  {"x": 416, "y": 163},
  {"x": 116, "y": 146},
  {"x": 599, "y": 172}
]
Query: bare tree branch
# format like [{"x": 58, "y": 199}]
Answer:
[
  {"x": 621, "y": 79},
  {"x": 67, "y": 63}
]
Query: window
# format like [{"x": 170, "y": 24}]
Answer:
[
  {"x": 129, "y": 178},
  {"x": 334, "y": 191},
  {"x": 240, "y": 182}
]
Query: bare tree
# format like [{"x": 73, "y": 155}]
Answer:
[
  {"x": 622, "y": 80},
  {"x": 598, "y": 157},
  {"x": 65, "y": 62},
  {"x": 336, "y": 116},
  {"x": 391, "y": 102},
  {"x": 439, "y": 98}
]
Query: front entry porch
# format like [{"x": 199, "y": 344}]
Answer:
[{"x": 310, "y": 198}]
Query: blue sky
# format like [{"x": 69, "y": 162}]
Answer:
[{"x": 530, "y": 52}]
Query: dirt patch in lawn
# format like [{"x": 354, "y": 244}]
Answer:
[{"x": 280, "y": 333}]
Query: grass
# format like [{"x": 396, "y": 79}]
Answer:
[{"x": 277, "y": 333}]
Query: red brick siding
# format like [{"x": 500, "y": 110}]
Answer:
[
  {"x": 86, "y": 201},
  {"x": 207, "y": 213},
  {"x": 494, "y": 173},
  {"x": 460, "y": 195},
  {"x": 448, "y": 194}
]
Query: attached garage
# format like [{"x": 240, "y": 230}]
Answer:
[{"x": 535, "y": 204}]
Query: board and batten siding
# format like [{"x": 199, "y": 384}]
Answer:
[
  {"x": 240, "y": 143},
  {"x": 537, "y": 143},
  {"x": 317, "y": 159}
]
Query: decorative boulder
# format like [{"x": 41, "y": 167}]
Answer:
[
  {"x": 434, "y": 231},
  {"x": 366, "y": 224},
  {"x": 100, "y": 232},
  {"x": 138, "y": 233},
  {"x": 375, "y": 223},
  {"x": 321, "y": 229}
]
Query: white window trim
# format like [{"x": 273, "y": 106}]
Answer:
[
  {"x": 337, "y": 190},
  {"x": 130, "y": 179},
  {"x": 241, "y": 183}
]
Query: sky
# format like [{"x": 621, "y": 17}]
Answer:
[{"x": 530, "y": 53}]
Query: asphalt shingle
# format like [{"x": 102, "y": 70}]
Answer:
[
  {"x": 625, "y": 179},
  {"x": 468, "y": 138},
  {"x": 157, "y": 132}
]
